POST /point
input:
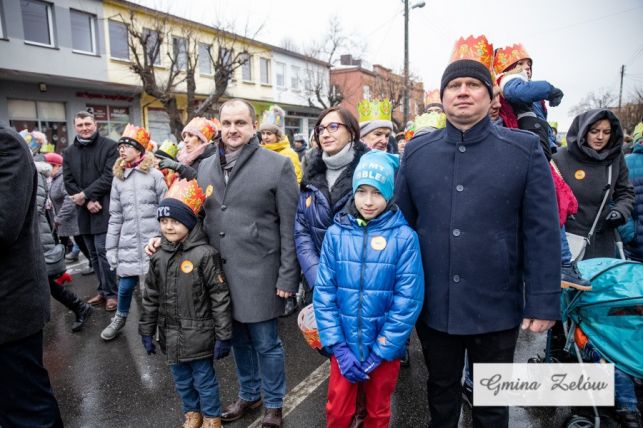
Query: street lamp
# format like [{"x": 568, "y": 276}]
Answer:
[{"x": 406, "y": 55}]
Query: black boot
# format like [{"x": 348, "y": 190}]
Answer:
[
  {"x": 628, "y": 418},
  {"x": 82, "y": 314},
  {"x": 72, "y": 302}
]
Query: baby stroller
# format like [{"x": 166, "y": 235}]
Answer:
[{"x": 610, "y": 315}]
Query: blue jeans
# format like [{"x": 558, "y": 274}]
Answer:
[
  {"x": 624, "y": 391},
  {"x": 198, "y": 387},
  {"x": 565, "y": 254},
  {"x": 126, "y": 285},
  {"x": 259, "y": 356},
  {"x": 98, "y": 259}
]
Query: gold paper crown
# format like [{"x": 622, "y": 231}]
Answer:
[
  {"x": 553, "y": 125},
  {"x": 433, "y": 119},
  {"x": 138, "y": 134},
  {"x": 508, "y": 56},
  {"x": 201, "y": 127},
  {"x": 374, "y": 110},
  {"x": 475, "y": 48},
  {"x": 187, "y": 192},
  {"x": 638, "y": 132},
  {"x": 432, "y": 97},
  {"x": 169, "y": 148}
]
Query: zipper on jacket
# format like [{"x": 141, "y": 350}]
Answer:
[{"x": 361, "y": 294}]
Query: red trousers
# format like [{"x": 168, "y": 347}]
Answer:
[{"x": 342, "y": 396}]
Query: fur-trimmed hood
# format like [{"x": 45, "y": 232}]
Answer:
[{"x": 145, "y": 166}]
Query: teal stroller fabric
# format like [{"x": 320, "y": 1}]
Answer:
[{"x": 611, "y": 314}]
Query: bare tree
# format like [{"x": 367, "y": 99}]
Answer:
[
  {"x": 631, "y": 113},
  {"x": 226, "y": 52},
  {"x": 601, "y": 99}
]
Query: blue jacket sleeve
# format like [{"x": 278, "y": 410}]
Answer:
[
  {"x": 306, "y": 254},
  {"x": 627, "y": 231},
  {"x": 402, "y": 196},
  {"x": 516, "y": 89},
  {"x": 541, "y": 240},
  {"x": 325, "y": 296},
  {"x": 407, "y": 302}
]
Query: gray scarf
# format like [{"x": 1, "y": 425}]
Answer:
[
  {"x": 336, "y": 163},
  {"x": 230, "y": 162},
  {"x": 84, "y": 142}
]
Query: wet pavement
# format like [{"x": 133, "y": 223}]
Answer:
[{"x": 116, "y": 384}]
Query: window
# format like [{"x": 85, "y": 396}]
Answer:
[
  {"x": 264, "y": 70},
  {"x": 246, "y": 67},
  {"x": 111, "y": 120},
  {"x": 118, "y": 47},
  {"x": 366, "y": 92},
  {"x": 83, "y": 31},
  {"x": 180, "y": 46},
  {"x": 47, "y": 117},
  {"x": 159, "y": 125},
  {"x": 152, "y": 46},
  {"x": 280, "y": 69},
  {"x": 294, "y": 78},
  {"x": 2, "y": 34},
  {"x": 38, "y": 22},
  {"x": 205, "y": 59}
]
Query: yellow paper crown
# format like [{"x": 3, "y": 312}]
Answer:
[
  {"x": 432, "y": 97},
  {"x": 553, "y": 125},
  {"x": 138, "y": 134},
  {"x": 169, "y": 148},
  {"x": 474, "y": 48},
  {"x": 638, "y": 132},
  {"x": 187, "y": 192},
  {"x": 374, "y": 110},
  {"x": 433, "y": 120},
  {"x": 508, "y": 56}
]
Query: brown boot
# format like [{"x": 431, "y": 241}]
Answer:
[
  {"x": 271, "y": 418},
  {"x": 211, "y": 422},
  {"x": 193, "y": 420},
  {"x": 237, "y": 409}
]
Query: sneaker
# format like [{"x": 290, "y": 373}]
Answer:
[
  {"x": 467, "y": 394},
  {"x": 87, "y": 271},
  {"x": 571, "y": 277},
  {"x": 112, "y": 330}
]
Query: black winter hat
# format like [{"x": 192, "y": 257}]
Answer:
[
  {"x": 466, "y": 68},
  {"x": 173, "y": 208}
]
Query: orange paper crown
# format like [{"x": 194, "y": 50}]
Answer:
[
  {"x": 432, "y": 97},
  {"x": 508, "y": 56},
  {"x": 203, "y": 128},
  {"x": 217, "y": 124},
  {"x": 478, "y": 49},
  {"x": 138, "y": 134},
  {"x": 187, "y": 192}
]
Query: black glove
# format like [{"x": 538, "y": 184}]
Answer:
[
  {"x": 614, "y": 219},
  {"x": 171, "y": 164},
  {"x": 222, "y": 348},
  {"x": 555, "y": 97}
]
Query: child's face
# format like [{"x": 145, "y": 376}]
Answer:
[
  {"x": 128, "y": 153},
  {"x": 369, "y": 201},
  {"x": 173, "y": 230}
]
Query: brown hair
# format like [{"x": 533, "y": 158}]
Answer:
[
  {"x": 347, "y": 118},
  {"x": 251, "y": 109},
  {"x": 83, "y": 115}
]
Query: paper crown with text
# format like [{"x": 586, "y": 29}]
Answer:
[
  {"x": 203, "y": 128},
  {"x": 432, "y": 98},
  {"x": 374, "y": 110},
  {"x": 474, "y": 48},
  {"x": 136, "y": 136},
  {"x": 508, "y": 56},
  {"x": 187, "y": 192}
]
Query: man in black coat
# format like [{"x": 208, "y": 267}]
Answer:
[
  {"x": 482, "y": 201},
  {"x": 26, "y": 399},
  {"x": 87, "y": 171}
]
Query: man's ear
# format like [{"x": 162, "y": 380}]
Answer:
[{"x": 255, "y": 125}]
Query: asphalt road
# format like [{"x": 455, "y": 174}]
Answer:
[{"x": 116, "y": 384}]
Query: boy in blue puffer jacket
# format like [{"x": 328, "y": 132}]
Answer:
[{"x": 368, "y": 294}]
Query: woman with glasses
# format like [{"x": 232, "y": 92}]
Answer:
[{"x": 326, "y": 186}]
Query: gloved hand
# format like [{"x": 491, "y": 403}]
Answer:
[
  {"x": 112, "y": 259},
  {"x": 148, "y": 343},
  {"x": 555, "y": 97},
  {"x": 614, "y": 219},
  {"x": 171, "y": 164},
  {"x": 222, "y": 348},
  {"x": 371, "y": 363},
  {"x": 349, "y": 366}
]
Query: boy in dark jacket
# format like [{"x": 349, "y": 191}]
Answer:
[
  {"x": 190, "y": 306},
  {"x": 368, "y": 294}
]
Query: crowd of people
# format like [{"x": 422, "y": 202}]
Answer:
[{"x": 462, "y": 226}]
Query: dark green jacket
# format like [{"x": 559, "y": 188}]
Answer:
[{"x": 187, "y": 297}]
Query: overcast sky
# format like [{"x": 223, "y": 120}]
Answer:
[{"x": 577, "y": 45}]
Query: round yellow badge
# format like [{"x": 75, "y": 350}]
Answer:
[
  {"x": 208, "y": 191},
  {"x": 309, "y": 200},
  {"x": 187, "y": 266},
  {"x": 579, "y": 174},
  {"x": 378, "y": 243}
]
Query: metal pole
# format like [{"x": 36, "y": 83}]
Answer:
[
  {"x": 620, "y": 92},
  {"x": 406, "y": 63}
]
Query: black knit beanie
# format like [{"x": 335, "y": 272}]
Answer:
[
  {"x": 173, "y": 208},
  {"x": 466, "y": 68}
]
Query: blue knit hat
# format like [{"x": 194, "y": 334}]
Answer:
[
  {"x": 173, "y": 208},
  {"x": 377, "y": 168}
]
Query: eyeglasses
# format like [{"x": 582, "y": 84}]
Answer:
[{"x": 331, "y": 127}]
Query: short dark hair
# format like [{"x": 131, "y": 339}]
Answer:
[
  {"x": 347, "y": 118},
  {"x": 251, "y": 109},
  {"x": 84, "y": 115}
]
